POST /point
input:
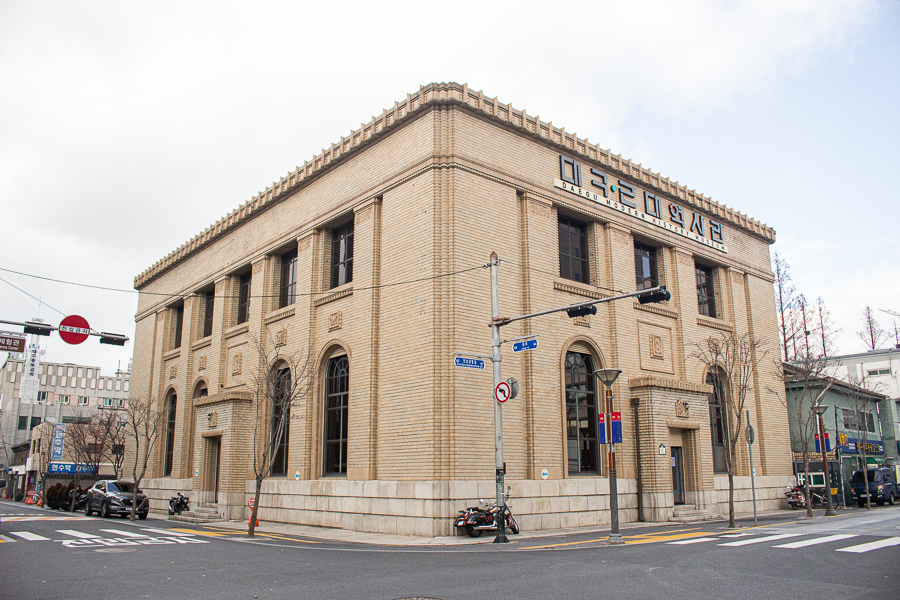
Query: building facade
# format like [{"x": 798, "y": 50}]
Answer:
[
  {"x": 880, "y": 370},
  {"x": 370, "y": 257}
]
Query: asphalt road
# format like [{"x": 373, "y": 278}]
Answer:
[{"x": 51, "y": 554}]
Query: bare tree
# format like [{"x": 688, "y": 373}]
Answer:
[
  {"x": 86, "y": 442},
  {"x": 143, "y": 423},
  {"x": 872, "y": 334},
  {"x": 112, "y": 424},
  {"x": 734, "y": 362},
  {"x": 824, "y": 329},
  {"x": 785, "y": 305},
  {"x": 861, "y": 395},
  {"x": 277, "y": 386}
]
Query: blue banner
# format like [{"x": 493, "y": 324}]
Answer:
[
  {"x": 849, "y": 444},
  {"x": 57, "y": 445},
  {"x": 67, "y": 468}
]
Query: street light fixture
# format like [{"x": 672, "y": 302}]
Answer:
[
  {"x": 829, "y": 504},
  {"x": 608, "y": 378}
]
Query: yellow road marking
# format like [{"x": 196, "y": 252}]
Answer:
[
  {"x": 196, "y": 532},
  {"x": 663, "y": 538},
  {"x": 566, "y": 544},
  {"x": 290, "y": 539}
]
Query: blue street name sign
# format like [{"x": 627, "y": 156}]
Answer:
[
  {"x": 526, "y": 345},
  {"x": 470, "y": 363}
]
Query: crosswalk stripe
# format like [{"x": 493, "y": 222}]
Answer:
[
  {"x": 125, "y": 533},
  {"x": 168, "y": 532},
  {"x": 768, "y": 538},
  {"x": 891, "y": 541},
  {"x": 6, "y": 539},
  {"x": 27, "y": 535},
  {"x": 821, "y": 540},
  {"x": 693, "y": 541},
  {"x": 78, "y": 534}
]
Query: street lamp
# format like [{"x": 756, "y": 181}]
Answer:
[
  {"x": 829, "y": 504},
  {"x": 608, "y": 377}
]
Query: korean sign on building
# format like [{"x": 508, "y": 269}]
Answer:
[
  {"x": 852, "y": 445},
  {"x": 68, "y": 468},
  {"x": 58, "y": 443}
]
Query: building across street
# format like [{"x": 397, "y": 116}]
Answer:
[{"x": 370, "y": 257}]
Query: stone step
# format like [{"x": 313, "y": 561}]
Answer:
[{"x": 690, "y": 515}]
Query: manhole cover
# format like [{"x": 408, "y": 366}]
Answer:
[{"x": 115, "y": 550}]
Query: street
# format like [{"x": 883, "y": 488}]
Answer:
[{"x": 51, "y": 554}]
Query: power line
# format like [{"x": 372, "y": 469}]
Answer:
[
  {"x": 127, "y": 291},
  {"x": 599, "y": 287},
  {"x": 30, "y": 296}
]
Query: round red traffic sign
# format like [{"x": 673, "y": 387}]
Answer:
[
  {"x": 74, "y": 329},
  {"x": 502, "y": 392},
  {"x": 251, "y": 502}
]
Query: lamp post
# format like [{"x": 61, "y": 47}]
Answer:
[
  {"x": 829, "y": 505},
  {"x": 608, "y": 377}
]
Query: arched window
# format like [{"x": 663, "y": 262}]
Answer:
[
  {"x": 337, "y": 392},
  {"x": 717, "y": 422},
  {"x": 170, "y": 434},
  {"x": 581, "y": 415},
  {"x": 281, "y": 404}
]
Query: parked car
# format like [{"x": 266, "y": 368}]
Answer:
[
  {"x": 882, "y": 486},
  {"x": 109, "y": 497}
]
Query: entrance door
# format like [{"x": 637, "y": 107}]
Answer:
[
  {"x": 216, "y": 455},
  {"x": 677, "y": 475}
]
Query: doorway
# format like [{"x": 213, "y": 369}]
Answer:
[
  {"x": 678, "y": 475},
  {"x": 216, "y": 457}
]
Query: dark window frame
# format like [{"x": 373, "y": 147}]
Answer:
[
  {"x": 706, "y": 292},
  {"x": 342, "y": 255},
  {"x": 582, "y": 409},
  {"x": 209, "y": 307},
  {"x": 574, "y": 258},
  {"x": 646, "y": 266},
  {"x": 281, "y": 402},
  {"x": 337, "y": 399},
  {"x": 288, "y": 284},
  {"x": 179, "y": 325},
  {"x": 171, "y": 408},
  {"x": 717, "y": 424},
  {"x": 243, "y": 306},
  {"x": 23, "y": 423}
]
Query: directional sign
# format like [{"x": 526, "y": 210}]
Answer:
[
  {"x": 11, "y": 343},
  {"x": 525, "y": 345},
  {"x": 502, "y": 392},
  {"x": 470, "y": 363},
  {"x": 74, "y": 329},
  {"x": 251, "y": 502}
]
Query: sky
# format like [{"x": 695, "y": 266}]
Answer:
[{"x": 128, "y": 128}]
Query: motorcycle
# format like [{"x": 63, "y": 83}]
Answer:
[
  {"x": 178, "y": 504},
  {"x": 796, "y": 499},
  {"x": 80, "y": 501},
  {"x": 476, "y": 520}
]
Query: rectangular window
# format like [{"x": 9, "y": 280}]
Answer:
[
  {"x": 879, "y": 372},
  {"x": 35, "y": 421},
  {"x": 706, "y": 300},
  {"x": 208, "y": 308},
  {"x": 573, "y": 250},
  {"x": 23, "y": 423},
  {"x": 645, "y": 271},
  {"x": 288, "y": 279},
  {"x": 82, "y": 400},
  {"x": 41, "y": 397},
  {"x": 243, "y": 308},
  {"x": 178, "y": 321},
  {"x": 63, "y": 399},
  {"x": 342, "y": 255},
  {"x": 107, "y": 402}
]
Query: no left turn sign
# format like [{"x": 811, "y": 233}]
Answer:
[{"x": 502, "y": 392}]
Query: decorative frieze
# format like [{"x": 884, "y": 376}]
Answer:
[
  {"x": 173, "y": 371},
  {"x": 656, "y": 347},
  {"x": 333, "y": 297},
  {"x": 335, "y": 321},
  {"x": 682, "y": 409},
  {"x": 201, "y": 363},
  {"x": 212, "y": 420},
  {"x": 281, "y": 337},
  {"x": 237, "y": 363},
  {"x": 574, "y": 289}
]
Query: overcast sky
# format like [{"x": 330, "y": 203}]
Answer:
[{"x": 128, "y": 127}]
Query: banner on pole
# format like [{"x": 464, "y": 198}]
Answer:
[
  {"x": 58, "y": 443},
  {"x": 616, "y": 422},
  {"x": 602, "y": 427}
]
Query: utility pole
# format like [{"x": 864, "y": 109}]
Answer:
[{"x": 497, "y": 360}]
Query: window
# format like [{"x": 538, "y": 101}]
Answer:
[
  {"x": 706, "y": 300},
  {"x": 41, "y": 397},
  {"x": 63, "y": 399},
  {"x": 281, "y": 404},
  {"x": 209, "y": 304},
  {"x": 288, "y": 279},
  {"x": 77, "y": 420},
  {"x": 82, "y": 400},
  {"x": 120, "y": 402},
  {"x": 573, "y": 250},
  {"x": 646, "y": 275},
  {"x": 23, "y": 423},
  {"x": 852, "y": 420},
  {"x": 107, "y": 402},
  {"x": 243, "y": 308},
  {"x": 581, "y": 415},
  {"x": 170, "y": 435},
  {"x": 177, "y": 322},
  {"x": 717, "y": 423},
  {"x": 337, "y": 392},
  {"x": 35, "y": 421},
  {"x": 342, "y": 255},
  {"x": 879, "y": 372}
]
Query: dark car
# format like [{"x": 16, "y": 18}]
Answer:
[
  {"x": 882, "y": 487},
  {"x": 110, "y": 497}
]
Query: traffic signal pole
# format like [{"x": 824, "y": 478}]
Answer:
[{"x": 497, "y": 360}]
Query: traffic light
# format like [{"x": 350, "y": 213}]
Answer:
[
  {"x": 112, "y": 338},
  {"x": 657, "y": 296},
  {"x": 38, "y": 328},
  {"x": 582, "y": 311}
]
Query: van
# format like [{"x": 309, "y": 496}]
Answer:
[{"x": 882, "y": 486}]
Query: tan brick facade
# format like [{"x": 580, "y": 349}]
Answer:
[{"x": 432, "y": 186}]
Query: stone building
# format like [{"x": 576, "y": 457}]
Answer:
[{"x": 370, "y": 255}]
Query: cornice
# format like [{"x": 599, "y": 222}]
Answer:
[
  {"x": 669, "y": 384},
  {"x": 428, "y": 96}
]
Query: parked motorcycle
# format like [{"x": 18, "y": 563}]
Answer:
[
  {"x": 476, "y": 520},
  {"x": 81, "y": 499},
  {"x": 178, "y": 504},
  {"x": 796, "y": 499}
]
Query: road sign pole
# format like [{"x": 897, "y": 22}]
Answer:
[
  {"x": 497, "y": 359},
  {"x": 750, "y": 439}
]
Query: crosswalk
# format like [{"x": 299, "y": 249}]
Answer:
[
  {"x": 73, "y": 538},
  {"x": 749, "y": 539}
]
